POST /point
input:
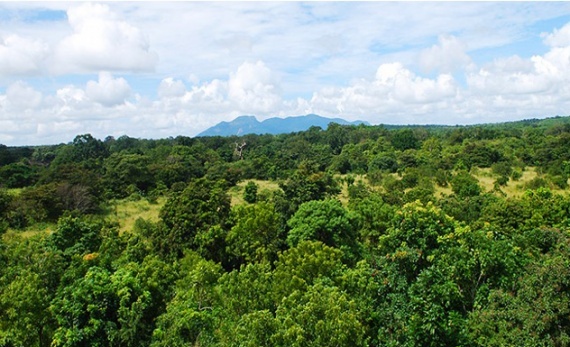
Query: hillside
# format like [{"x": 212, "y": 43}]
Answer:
[{"x": 250, "y": 125}]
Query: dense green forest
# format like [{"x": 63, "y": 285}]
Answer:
[{"x": 369, "y": 236}]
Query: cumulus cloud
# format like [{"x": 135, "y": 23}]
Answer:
[
  {"x": 393, "y": 90},
  {"x": 70, "y": 98},
  {"x": 446, "y": 56},
  {"x": 20, "y": 55},
  {"x": 510, "y": 77},
  {"x": 253, "y": 87},
  {"x": 213, "y": 93},
  {"x": 108, "y": 91},
  {"x": 20, "y": 96},
  {"x": 102, "y": 41},
  {"x": 558, "y": 38},
  {"x": 169, "y": 87}
]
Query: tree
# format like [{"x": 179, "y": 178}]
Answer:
[
  {"x": 255, "y": 329},
  {"x": 405, "y": 139},
  {"x": 532, "y": 312},
  {"x": 325, "y": 221},
  {"x": 26, "y": 319},
  {"x": 84, "y": 149},
  {"x": 34, "y": 205},
  {"x": 247, "y": 290},
  {"x": 256, "y": 235},
  {"x": 77, "y": 236},
  {"x": 320, "y": 316},
  {"x": 190, "y": 316},
  {"x": 337, "y": 136},
  {"x": 18, "y": 175},
  {"x": 124, "y": 170},
  {"x": 411, "y": 312},
  {"x": 5, "y": 201},
  {"x": 465, "y": 185},
  {"x": 29, "y": 277},
  {"x": 175, "y": 164},
  {"x": 201, "y": 206},
  {"x": 86, "y": 311},
  {"x": 306, "y": 184},
  {"x": 301, "y": 266},
  {"x": 5, "y": 155},
  {"x": 374, "y": 218},
  {"x": 384, "y": 162}
]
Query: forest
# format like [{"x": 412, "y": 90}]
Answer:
[{"x": 345, "y": 236}]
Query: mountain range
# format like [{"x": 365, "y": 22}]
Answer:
[{"x": 250, "y": 125}]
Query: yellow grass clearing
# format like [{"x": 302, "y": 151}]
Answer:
[
  {"x": 236, "y": 192},
  {"x": 343, "y": 196},
  {"x": 512, "y": 189},
  {"x": 126, "y": 212},
  {"x": 31, "y": 231}
]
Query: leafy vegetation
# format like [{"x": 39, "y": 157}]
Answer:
[{"x": 350, "y": 236}]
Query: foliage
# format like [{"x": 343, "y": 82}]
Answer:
[
  {"x": 255, "y": 235},
  {"x": 465, "y": 185},
  {"x": 441, "y": 236},
  {"x": 250, "y": 192},
  {"x": 202, "y": 205},
  {"x": 325, "y": 221}
]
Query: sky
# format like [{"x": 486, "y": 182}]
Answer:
[{"x": 164, "y": 69}]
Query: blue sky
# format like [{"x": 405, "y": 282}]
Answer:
[{"x": 155, "y": 69}]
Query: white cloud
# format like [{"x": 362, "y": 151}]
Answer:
[
  {"x": 213, "y": 93},
  {"x": 447, "y": 56},
  {"x": 70, "y": 99},
  {"x": 20, "y": 96},
  {"x": 514, "y": 77},
  {"x": 169, "y": 87},
  {"x": 394, "y": 90},
  {"x": 20, "y": 55},
  {"x": 253, "y": 88},
  {"x": 558, "y": 38},
  {"x": 108, "y": 91},
  {"x": 102, "y": 41}
]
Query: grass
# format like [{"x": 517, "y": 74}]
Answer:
[
  {"x": 343, "y": 196},
  {"x": 511, "y": 189},
  {"x": 126, "y": 212},
  {"x": 32, "y": 230},
  {"x": 14, "y": 191},
  {"x": 236, "y": 192}
]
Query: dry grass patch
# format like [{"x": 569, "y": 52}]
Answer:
[
  {"x": 342, "y": 180},
  {"x": 31, "y": 231},
  {"x": 512, "y": 188},
  {"x": 236, "y": 192},
  {"x": 126, "y": 212}
]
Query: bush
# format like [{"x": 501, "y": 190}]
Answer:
[
  {"x": 250, "y": 193},
  {"x": 442, "y": 178},
  {"x": 502, "y": 181},
  {"x": 465, "y": 185},
  {"x": 516, "y": 175},
  {"x": 535, "y": 183},
  {"x": 383, "y": 162},
  {"x": 559, "y": 181},
  {"x": 502, "y": 169},
  {"x": 375, "y": 177}
]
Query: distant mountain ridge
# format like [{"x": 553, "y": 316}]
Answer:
[{"x": 250, "y": 125}]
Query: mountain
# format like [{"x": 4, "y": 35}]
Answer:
[{"x": 250, "y": 125}]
